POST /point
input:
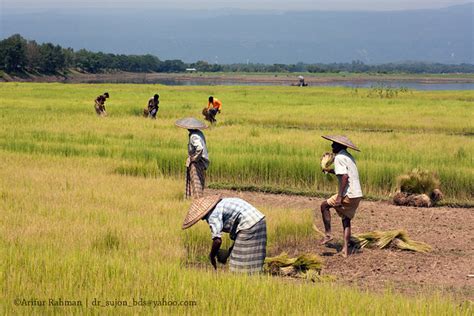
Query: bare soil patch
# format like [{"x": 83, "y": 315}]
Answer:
[{"x": 448, "y": 230}]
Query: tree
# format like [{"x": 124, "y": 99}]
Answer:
[
  {"x": 87, "y": 61},
  {"x": 13, "y": 53},
  {"x": 33, "y": 55},
  {"x": 69, "y": 57},
  {"x": 51, "y": 58},
  {"x": 175, "y": 65}
]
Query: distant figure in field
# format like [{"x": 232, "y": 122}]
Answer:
[
  {"x": 100, "y": 104},
  {"x": 349, "y": 194},
  {"x": 198, "y": 158},
  {"x": 214, "y": 106},
  {"x": 152, "y": 109},
  {"x": 301, "y": 82}
]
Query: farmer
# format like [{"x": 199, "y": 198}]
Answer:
[
  {"x": 214, "y": 106},
  {"x": 100, "y": 104},
  {"x": 153, "y": 107},
  {"x": 245, "y": 225},
  {"x": 301, "y": 82},
  {"x": 198, "y": 158},
  {"x": 349, "y": 194}
]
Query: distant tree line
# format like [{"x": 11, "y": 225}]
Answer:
[{"x": 20, "y": 55}]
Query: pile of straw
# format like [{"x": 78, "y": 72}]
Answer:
[
  {"x": 305, "y": 266},
  {"x": 418, "y": 188},
  {"x": 393, "y": 238},
  {"x": 327, "y": 160}
]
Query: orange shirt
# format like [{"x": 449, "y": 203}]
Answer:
[{"x": 216, "y": 104}]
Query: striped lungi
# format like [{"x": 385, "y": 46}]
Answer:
[
  {"x": 250, "y": 249},
  {"x": 195, "y": 179}
]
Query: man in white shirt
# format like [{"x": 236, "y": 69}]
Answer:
[{"x": 349, "y": 194}]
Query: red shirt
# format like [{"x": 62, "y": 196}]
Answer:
[{"x": 216, "y": 104}]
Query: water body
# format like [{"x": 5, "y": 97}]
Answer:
[
  {"x": 350, "y": 84},
  {"x": 409, "y": 85}
]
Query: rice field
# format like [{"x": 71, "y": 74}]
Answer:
[
  {"x": 267, "y": 137},
  {"x": 91, "y": 208}
]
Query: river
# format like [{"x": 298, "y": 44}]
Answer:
[{"x": 351, "y": 84}]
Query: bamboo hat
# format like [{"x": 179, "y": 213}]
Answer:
[
  {"x": 190, "y": 123},
  {"x": 340, "y": 139},
  {"x": 199, "y": 208}
]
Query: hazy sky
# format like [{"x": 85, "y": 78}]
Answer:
[{"x": 241, "y": 4}]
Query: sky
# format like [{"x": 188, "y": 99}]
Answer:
[{"x": 339, "y": 5}]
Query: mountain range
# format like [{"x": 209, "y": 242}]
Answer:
[{"x": 242, "y": 36}]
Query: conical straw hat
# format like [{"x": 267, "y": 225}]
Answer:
[
  {"x": 190, "y": 123},
  {"x": 199, "y": 208},
  {"x": 343, "y": 140}
]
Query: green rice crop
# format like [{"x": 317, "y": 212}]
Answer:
[
  {"x": 265, "y": 136},
  {"x": 92, "y": 208},
  {"x": 74, "y": 229},
  {"x": 76, "y": 226}
]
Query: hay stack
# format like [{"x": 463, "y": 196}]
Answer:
[
  {"x": 393, "y": 238},
  {"x": 407, "y": 199},
  {"x": 327, "y": 159},
  {"x": 418, "y": 188},
  {"x": 306, "y": 266},
  {"x": 436, "y": 196}
]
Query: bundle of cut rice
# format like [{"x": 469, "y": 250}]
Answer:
[
  {"x": 326, "y": 161},
  {"x": 407, "y": 199},
  {"x": 295, "y": 267},
  {"x": 317, "y": 231},
  {"x": 418, "y": 188},
  {"x": 396, "y": 238}
]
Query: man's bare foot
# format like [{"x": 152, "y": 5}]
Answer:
[
  {"x": 345, "y": 252},
  {"x": 325, "y": 240}
]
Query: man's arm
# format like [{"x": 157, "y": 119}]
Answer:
[{"x": 216, "y": 245}]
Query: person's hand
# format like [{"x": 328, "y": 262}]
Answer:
[
  {"x": 328, "y": 170},
  {"x": 188, "y": 162},
  {"x": 213, "y": 261},
  {"x": 338, "y": 201}
]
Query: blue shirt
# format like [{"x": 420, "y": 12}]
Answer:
[{"x": 232, "y": 215}]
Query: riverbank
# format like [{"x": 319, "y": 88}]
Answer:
[{"x": 242, "y": 78}]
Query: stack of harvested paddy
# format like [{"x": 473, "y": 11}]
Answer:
[
  {"x": 395, "y": 238},
  {"x": 326, "y": 161},
  {"x": 305, "y": 266},
  {"x": 418, "y": 188},
  {"x": 409, "y": 199}
]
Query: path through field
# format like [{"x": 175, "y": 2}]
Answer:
[{"x": 450, "y": 231}]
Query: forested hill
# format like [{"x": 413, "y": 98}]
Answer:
[
  {"x": 19, "y": 56},
  {"x": 269, "y": 37}
]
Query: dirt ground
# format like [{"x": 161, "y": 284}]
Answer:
[{"x": 447, "y": 269}]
